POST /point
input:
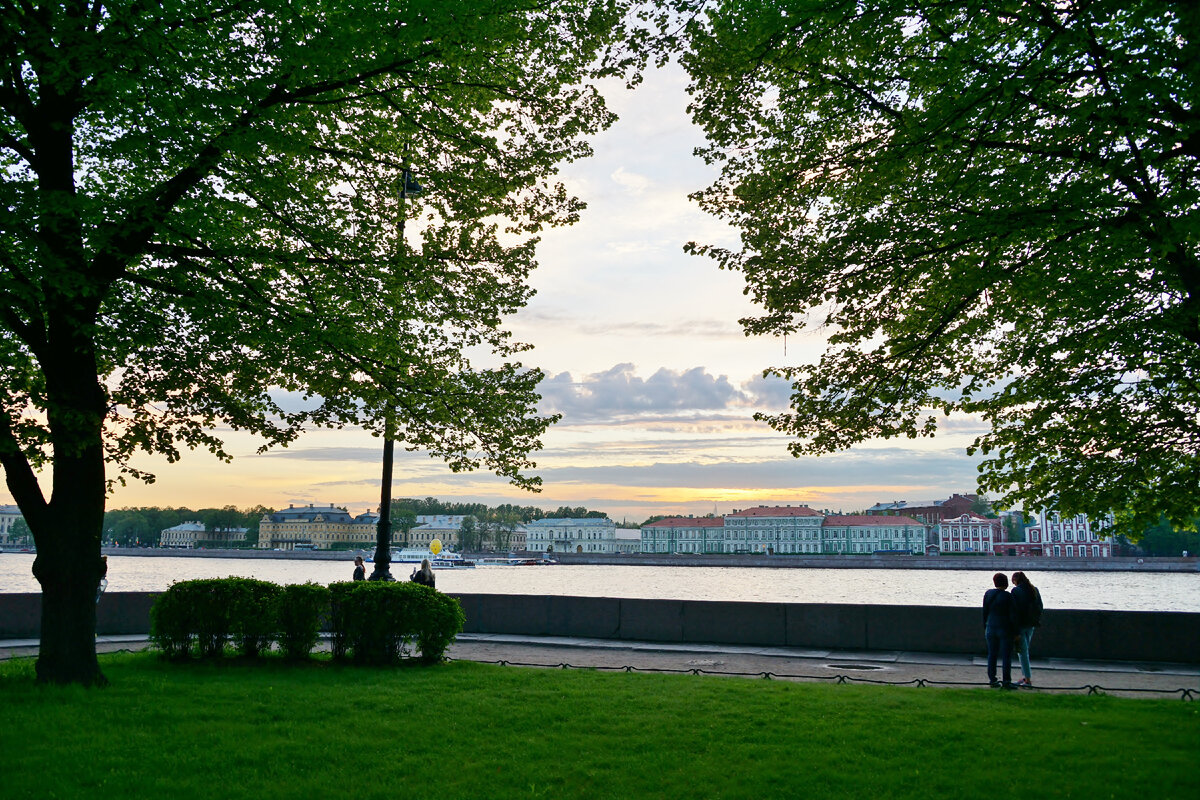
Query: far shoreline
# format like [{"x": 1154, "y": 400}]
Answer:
[{"x": 779, "y": 561}]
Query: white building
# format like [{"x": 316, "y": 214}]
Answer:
[
  {"x": 587, "y": 535},
  {"x": 969, "y": 533},
  {"x": 628, "y": 540},
  {"x": 684, "y": 535},
  {"x": 186, "y": 534},
  {"x": 8, "y": 517},
  {"x": 773, "y": 529},
  {"x": 443, "y": 527},
  {"x": 1063, "y": 537},
  {"x": 860, "y": 533}
]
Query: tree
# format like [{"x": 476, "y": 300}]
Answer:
[
  {"x": 470, "y": 535},
  {"x": 201, "y": 228},
  {"x": 19, "y": 532},
  {"x": 988, "y": 209}
]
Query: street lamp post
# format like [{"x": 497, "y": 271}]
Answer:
[{"x": 383, "y": 530}]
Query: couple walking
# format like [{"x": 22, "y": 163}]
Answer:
[{"x": 1008, "y": 621}]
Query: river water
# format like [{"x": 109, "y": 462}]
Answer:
[{"x": 1128, "y": 591}]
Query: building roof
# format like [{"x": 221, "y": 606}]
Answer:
[
  {"x": 897, "y": 505},
  {"x": 776, "y": 511},
  {"x": 543, "y": 523},
  {"x": 865, "y": 521},
  {"x": 972, "y": 519},
  {"x": 687, "y": 522},
  {"x": 190, "y": 527},
  {"x": 310, "y": 512}
]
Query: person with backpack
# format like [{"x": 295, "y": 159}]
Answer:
[{"x": 1027, "y": 613}]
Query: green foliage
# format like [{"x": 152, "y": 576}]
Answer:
[
  {"x": 301, "y": 609},
  {"x": 201, "y": 616},
  {"x": 988, "y": 209},
  {"x": 380, "y": 622},
  {"x": 254, "y": 613},
  {"x": 194, "y": 615},
  {"x": 201, "y": 217},
  {"x": 1163, "y": 539}
]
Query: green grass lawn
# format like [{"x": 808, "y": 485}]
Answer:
[{"x": 324, "y": 730}]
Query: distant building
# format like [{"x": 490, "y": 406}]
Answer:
[
  {"x": 627, "y": 540},
  {"x": 316, "y": 528},
  {"x": 1055, "y": 536},
  {"x": 187, "y": 534},
  {"x": 773, "y": 529},
  {"x": 588, "y": 535},
  {"x": 8, "y": 517},
  {"x": 929, "y": 512},
  {"x": 969, "y": 533},
  {"x": 443, "y": 527},
  {"x": 684, "y": 535},
  {"x": 863, "y": 533}
]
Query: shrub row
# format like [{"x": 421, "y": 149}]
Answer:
[
  {"x": 374, "y": 623},
  {"x": 380, "y": 623}
]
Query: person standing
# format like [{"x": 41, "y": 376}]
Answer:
[
  {"x": 360, "y": 569},
  {"x": 999, "y": 630},
  {"x": 424, "y": 575},
  {"x": 1027, "y": 615}
]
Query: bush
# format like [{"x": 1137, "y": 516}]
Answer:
[
  {"x": 171, "y": 627},
  {"x": 378, "y": 623},
  {"x": 253, "y": 614},
  {"x": 300, "y": 607},
  {"x": 193, "y": 613},
  {"x": 372, "y": 622}
]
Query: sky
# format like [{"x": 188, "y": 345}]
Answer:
[{"x": 644, "y": 358}]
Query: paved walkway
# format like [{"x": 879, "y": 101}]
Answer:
[{"x": 1128, "y": 679}]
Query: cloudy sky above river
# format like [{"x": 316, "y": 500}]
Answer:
[{"x": 644, "y": 358}]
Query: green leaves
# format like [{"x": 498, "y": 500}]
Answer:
[
  {"x": 991, "y": 212},
  {"x": 208, "y": 202}
]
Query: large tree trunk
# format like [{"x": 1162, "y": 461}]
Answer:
[
  {"x": 68, "y": 645},
  {"x": 69, "y": 565}
]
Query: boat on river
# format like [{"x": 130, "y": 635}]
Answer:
[
  {"x": 442, "y": 560},
  {"x": 513, "y": 561}
]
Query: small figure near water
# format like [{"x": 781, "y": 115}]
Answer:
[
  {"x": 1027, "y": 615},
  {"x": 360, "y": 569},
  {"x": 423, "y": 575},
  {"x": 999, "y": 630}
]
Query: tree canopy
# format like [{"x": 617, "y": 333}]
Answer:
[
  {"x": 202, "y": 229},
  {"x": 988, "y": 209}
]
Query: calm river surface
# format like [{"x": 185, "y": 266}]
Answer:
[{"x": 1130, "y": 591}]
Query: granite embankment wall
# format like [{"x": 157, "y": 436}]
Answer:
[{"x": 1101, "y": 635}]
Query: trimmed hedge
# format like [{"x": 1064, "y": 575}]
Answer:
[
  {"x": 382, "y": 622},
  {"x": 372, "y": 622},
  {"x": 300, "y": 609}
]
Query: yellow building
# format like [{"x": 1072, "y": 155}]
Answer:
[{"x": 316, "y": 528}]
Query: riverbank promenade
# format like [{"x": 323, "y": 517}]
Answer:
[{"x": 920, "y": 670}]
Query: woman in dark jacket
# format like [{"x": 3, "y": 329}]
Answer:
[
  {"x": 998, "y": 629},
  {"x": 1027, "y": 615}
]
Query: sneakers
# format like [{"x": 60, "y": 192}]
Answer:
[
  {"x": 995, "y": 684},
  {"x": 1025, "y": 683}
]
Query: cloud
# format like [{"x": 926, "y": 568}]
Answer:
[
  {"x": 618, "y": 392},
  {"x": 693, "y": 328},
  {"x": 631, "y": 182},
  {"x": 768, "y": 392}
]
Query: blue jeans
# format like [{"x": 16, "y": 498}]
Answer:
[
  {"x": 999, "y": 643},
  {"x": 1024, "y": 637}
]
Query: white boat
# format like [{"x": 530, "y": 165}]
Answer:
[
  {"x": 514, "y": 561},
  {"x": 442, "y": 560}
]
